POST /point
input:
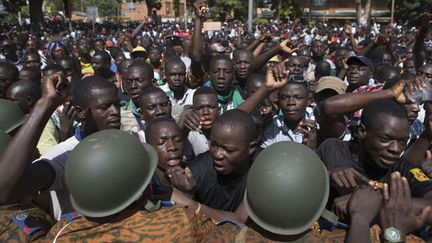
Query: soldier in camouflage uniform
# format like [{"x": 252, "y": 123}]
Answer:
[
  {"x": 111, "y": 198},
  {"x": 287, "y": 190}
]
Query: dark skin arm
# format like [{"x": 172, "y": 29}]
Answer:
[
  {"x": 197, "y": 54},
  {"x": 275, "y": 78},
  {"x": 262, "y": 59},
  {"x": 184, "y": 198},
  {"x": 363, "y": 206},
  {"x": 16, "y": 158},
  {"x": 334, "y": 107},
  {"x": 197, "y": 44},
  {"x": 416, "y": 152},
  {"x": 254, "y": 44},
  {"x": 258, "y": 50},
  {"x": 420, "y": 38},
  {"x": 398, "y": 209},
  {"x": 137, "y": 29}
]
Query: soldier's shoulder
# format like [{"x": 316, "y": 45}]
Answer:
[{"x": 23, "y": 225}]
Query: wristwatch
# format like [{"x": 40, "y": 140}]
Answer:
[{"x": 393, "y": 235}]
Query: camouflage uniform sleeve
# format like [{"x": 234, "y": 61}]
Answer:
[
  {"x": 201, "y": 224},
  {"x": 28, "y": 225},
  {"x": 223, "y": 234}
]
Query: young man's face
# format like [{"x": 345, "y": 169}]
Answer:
[
  {"x": 242, "y": 60},
  {"x": 413, "y": 109},
  {"x": 358, "y": 75},
  {"x": 99, "y": 46},
  {"x": 318, "y": 49},
  {"x": 207, "y": 107},
  {"x": 69, "y": 67},
  {"x": 295, "y": 66},
  {"x": 305, "y": 56},
  {"x": 155, "y": 105},
  {"x": 176, "y": 76},
  {"x": 167, "y": 139},
  {"x": 222, "y": 76},
  {"x": 8, "y": 49},
  {"x": 119, "y": 59},
  {"x": 409, "y": 66},
  {"x": 5, "y": 81},
  {"x": 293, "y": 100},
  {"x": 20, "y": 97},
  {"x": 100, "y": 65},
  {"x": 58, "y": 52},
  {"x": 385, "y": 140},
  {"x": 32, "y": 61},
  {"x": 135, "y": 81},
  {"x": 103, "y": 111},
  {"x": 229, "y": 150},
  {"x": 154, "y": 56}
]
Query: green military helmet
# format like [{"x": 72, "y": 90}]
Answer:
[
  {"x": 287, "y": 188},
  {"x": 108, "y": 171},
  {"x": 11, "y": 116},
  {"x": 4, "y": 140}
]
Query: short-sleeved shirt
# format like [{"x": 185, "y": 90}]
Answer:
[
  {"x": 210, "y": 188},
  {"x": 165, "y": 225},
  {"x": 277, "y": 131},
  {"x": 199, "y": 142},
  {"x": 335, "y": 154},
  {"x": 56, "y": 158}
]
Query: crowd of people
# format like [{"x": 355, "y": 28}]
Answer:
[{"x": 164, "y": 132}]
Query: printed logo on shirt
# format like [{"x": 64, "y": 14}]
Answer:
[{"x": 419, "y": 175}]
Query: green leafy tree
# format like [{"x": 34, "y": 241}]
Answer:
[
  {"x": 13, "y": 6},
  {"x": 409, "y": 10},
  {"x": 222, "y": 8},
  {"x": 284, "y": 8},
  {"x": 176, "y": 8}
]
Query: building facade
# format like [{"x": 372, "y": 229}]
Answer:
[
  {"x": 138, "y": 10},
  {"x": 343, "y": 9}
]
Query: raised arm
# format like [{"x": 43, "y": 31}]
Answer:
[
  {"x": 275, "y": 78},
  {"x": 16, "y": 158},
  {"x": 137, "y": 29}
]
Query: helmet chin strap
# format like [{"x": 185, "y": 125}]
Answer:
[{"x": 330, "y": 216}]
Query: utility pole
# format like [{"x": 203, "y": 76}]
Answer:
[
  {"x": 392, "y": 12},
  {"x": 250, "y": 14},
  {"x": 185, "y": 13}
]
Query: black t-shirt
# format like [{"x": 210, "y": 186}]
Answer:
[
  {"x": 211, "y": 189},
  {"x": 336, "y": 153}
]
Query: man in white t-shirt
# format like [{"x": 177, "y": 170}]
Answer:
[
  {"x": 98, "y": 108},
  {"x": 175, "y": 87}
]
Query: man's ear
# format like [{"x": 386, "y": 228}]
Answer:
[
  {"x": 80, "y": 113},
  {"x": 29, "y": 101},
  {"x": 361, "y": 130},
  {"x": 252, "y": 147}
]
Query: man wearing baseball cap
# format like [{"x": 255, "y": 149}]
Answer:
[{"x": 359, "y": 75}]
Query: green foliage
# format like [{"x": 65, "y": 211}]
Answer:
[
  {"x": 105, "y": 7},
  {"x": 222, "y": 8},
  {"x": 176, "y": 8},
  {"x": 290, "y": 8},
  {"x": 409, "y": 10},
  {"x": 13, "y": 6}
]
